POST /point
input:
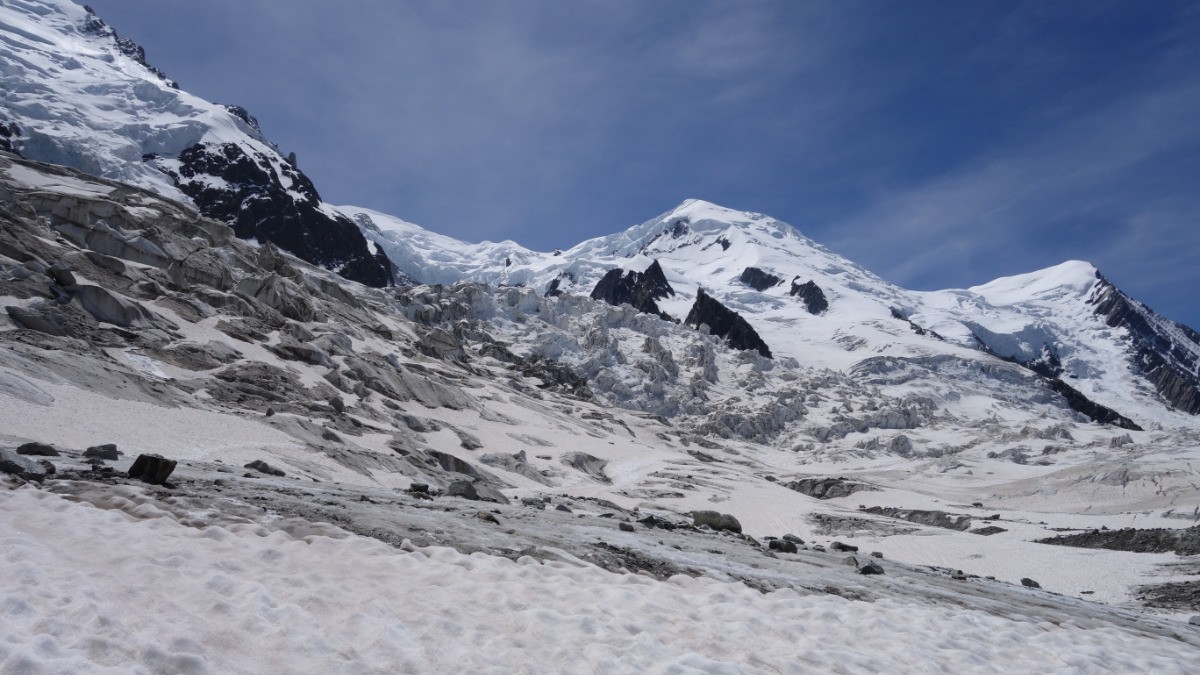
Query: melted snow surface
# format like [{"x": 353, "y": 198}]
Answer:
[{"x": 183, "y": 595}]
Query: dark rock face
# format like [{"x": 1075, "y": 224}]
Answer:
[
  {"x": 1166, "y": 353},
  {"x": 257, "y": 204},
  {"x": 759, "y": 280},
  {"x": 9, "y": 135},
  {"x": 726, "y": 323},
  {"x": 96, "y": 26},
  {"x": 1150, "y": 540},
  {"x": 812, "y": 295},
  {"x": 1089, "y": 408},
  {"x": 642, "y": 290}
]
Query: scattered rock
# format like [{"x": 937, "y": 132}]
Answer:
[
  {"x": 564, "y": 508},
  {"x": 794, "y": 539},
  {"x": 262, "y": 467},
  {"x": 338, "y": 405},
  {"x": 871, "y": 567},
  {"x": 876, "y": 554},
  {"x": 36, "y": 449},
  {"x": 783, "y": 546},
  {"x": 1029, "y": 583},
  {"x": 419, "y": 488},
  {"x": 625, "y": 527},
  {"x": 487, "y": 517},
  {"x": 107, "y": 452},
  {"x": 958, "y": 575},
  {"x": 153, "y": 469},
  {"x": 839, "y": 546},
  {"x": 716, "y": 521},
  {"x": 988, "y": 530},
  {"x": 850, "y": 561}
]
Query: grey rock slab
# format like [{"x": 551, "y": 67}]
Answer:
[{"x": 18, "y": 465}]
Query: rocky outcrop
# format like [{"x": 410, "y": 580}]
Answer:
[
  {"x": 811, "y": 294},
  {"x": 827, "y": 488},
  {"x": 10, "y": 135},
  {"x": 1151, "y": 540},
  {"x": 275, "y": 202},
  {"x": 759, "y": 280},
  {"x": 1166, "y": 353},
  {"x": 931, "y": 518},
  {"x": 1089, "y": 408},
  {"x": 642, "y": 290},
  {"x": 726, "y": 323}
]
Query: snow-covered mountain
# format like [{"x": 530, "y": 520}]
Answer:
[
  {"x": 1067, "y": 323},
  {"x": 705, "y": 394},
  {"x": 76, "y": 93},
  {"x": 73, "y": 92}
]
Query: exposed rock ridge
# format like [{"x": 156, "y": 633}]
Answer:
[
  {"x": 1089, "y": 408},
  {"x": 1166, "y": 353},
  {"x": 726, "y": 323},
  {"x": 812, "y": 295},
  {"x": 281, "y": 207},
  {"x": 759, "y": 280},
  {"x": 642, "y": 290}
]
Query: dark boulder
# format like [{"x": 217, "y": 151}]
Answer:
[
  {"x": 839, "y": 546},
  {"x": 759, "y": 280},
  {"x": 726, "y": 323},
  {"x": 38, "y": 450},
  {"x": 811, "y": 294},
  {"x": 625, "y": 527},
  {"x": 641, "y": 290},
  {"x": 464, "y": 489},
  {"x": 783, "y": 546},
  {"x": 107, "y": 452},
  {"x": 716, "y": 521},
  {"x": 1030, "y": 583},
  {"x": 870, "y": 567},
  {"x": 153, "y": 469},
  {"x": 262, "y": 467}
]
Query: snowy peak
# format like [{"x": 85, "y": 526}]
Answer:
[
  {"x": 73, "y": 92},
  {"x": 1071, "y": 279}
]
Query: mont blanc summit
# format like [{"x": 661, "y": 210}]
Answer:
[{"x": 706, "y": 441}]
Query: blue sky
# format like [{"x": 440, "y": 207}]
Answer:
[{"x": 940, "y": 144}]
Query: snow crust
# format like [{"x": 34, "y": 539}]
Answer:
[{"x": 183, "y": 595}]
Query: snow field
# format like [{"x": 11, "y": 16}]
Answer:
[{"x": 172, "y": 595}]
